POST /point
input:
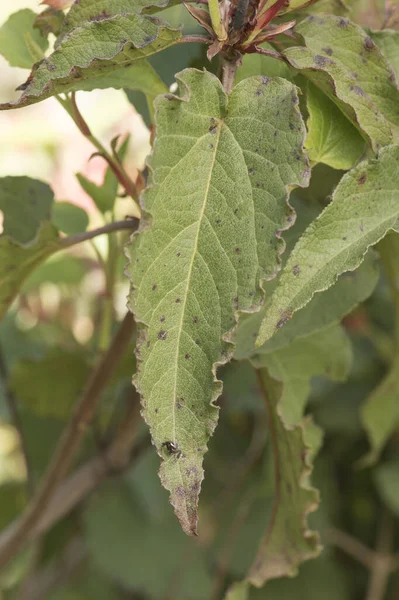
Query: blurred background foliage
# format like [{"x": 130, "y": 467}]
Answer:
[{"x": 124, "y": 542}]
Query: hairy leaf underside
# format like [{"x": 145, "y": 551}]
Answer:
[
  {"x": 364, "y": 207},
  {"x": 217, "y": 203},
  {"x": 95, "y": 55}
]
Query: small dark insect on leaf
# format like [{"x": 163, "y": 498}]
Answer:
[{"x": 172, "y": 448}]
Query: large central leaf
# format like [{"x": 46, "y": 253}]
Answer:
[{"x": 218, "y": 202}]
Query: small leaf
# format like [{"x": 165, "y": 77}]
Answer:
[
  {"x": 69, "y": 218},
  {"x": 344, "y": 62},
  {"x": 288, "y": 541},
  {"x": 92, "y": 52},
  {"x": 331, "y": 139},
  {"x": 104, "y": 195},
  {"x": 15, "y": 37},
  {"x": 204, "y": 254},
  {"x": 380, "y": 413},
  {"x": 365, "y": 206},
  {"x": 387, "y": 482}
]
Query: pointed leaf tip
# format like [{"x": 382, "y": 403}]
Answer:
[{"x": 199, "y": 258}]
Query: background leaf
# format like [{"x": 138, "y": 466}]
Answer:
[
  {"x": 69, "y": 218},
  {"x": 17, "y": 36},
  {"x": 331, "y": 138}
]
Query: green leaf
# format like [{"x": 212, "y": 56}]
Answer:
[
  {"x": 18, "y": 39},
  {"x": 327, "y": 352},
  {"x": 69, "y": 218},
  {"x": 92, "y": 10},
  {"x": 323, "y": 310},
  {"x": 331, "y": 139},
  {"x": 365, "y": 206},
  {"x": 343, "y": 61},
  {"x": 29, "y": 236},
  {"x": 387, "y": 482},
  {"x": 217, "y": 162},
  {"x": 288, "y": 540},
  {"x": 25, "y": 204},
  {"x": 50, "y": 387},
  {"x": 380, "y": 413},
  {"x": 139, "y": 76},
  {"x": 388, "y": 42},
  {"x": 93, "y": 51}
]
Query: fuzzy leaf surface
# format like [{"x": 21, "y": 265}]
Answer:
[
  {"x": 91, "y": 10},
  {"x": 323, "y": 310},
  {"x": 365, "y": 206},
  {"x": 218, "y": 162},
  {"x": 331, "y": 139},
  {"x": 94, "y": 51},
  {"x": 344, "y": 62}
]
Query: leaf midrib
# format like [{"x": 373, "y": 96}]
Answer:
[{"x": 194, "y": 253}]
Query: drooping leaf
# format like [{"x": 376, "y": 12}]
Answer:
[
  {"x": 388, "y": 42},
  {"x": 323, "y": 310},
  {"x": 364, "y": 207},
  {"x": 217, "y": 162},
  {"x": 20, "y": 42},
  {"x": 344, "y": 62},
  {"x": 69, "y": 218},
  {"x": 326, "y": 352},
  {"x": 288, "y": 540},
  {"x": 331, "y": 139},
  {"x": 50, "y": 387},
  {"x": 94, "y": 51}
]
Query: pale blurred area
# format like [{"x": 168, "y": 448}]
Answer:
[{"x": 42, "y": 142}]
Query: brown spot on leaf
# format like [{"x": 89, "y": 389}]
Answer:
[
  {"x": 286, "y": 316},
  {"x": 362, "y": 179},
  {"x": 162, "y": 335}
]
